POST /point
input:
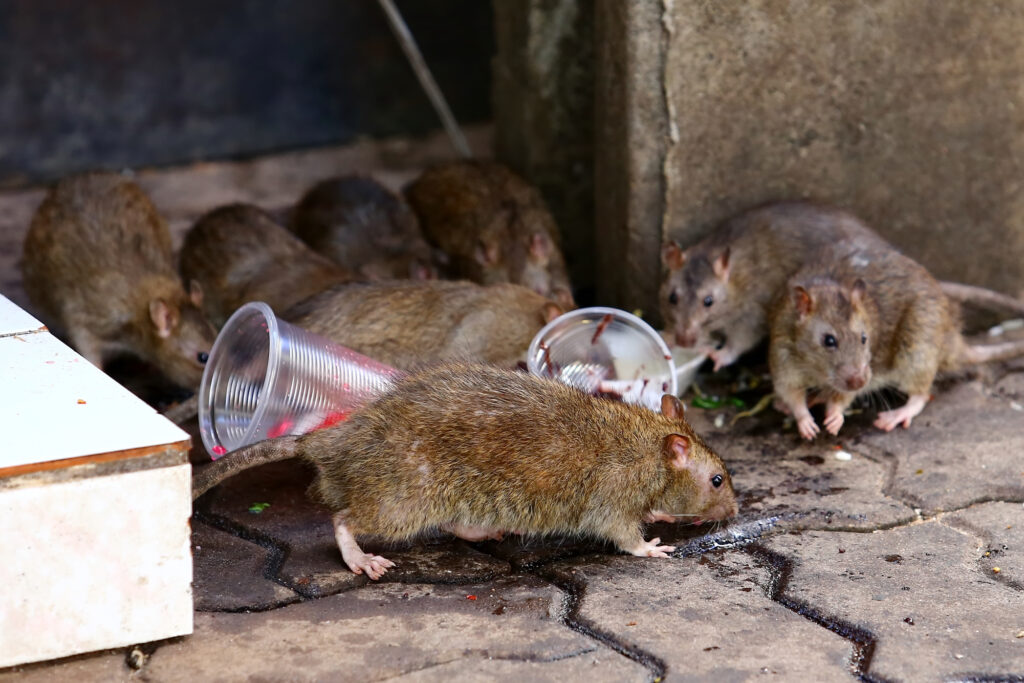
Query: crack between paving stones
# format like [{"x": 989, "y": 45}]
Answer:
[
  {"x": 969, "y": 530},
  {"x": 780, "y": 568},
  {"x": 574, "y": 592},
  {"x": 277, "y": 553}
]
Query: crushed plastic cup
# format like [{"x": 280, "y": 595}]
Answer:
[
  {"x": 267, "y": 378},
  {"x": 607, "y": 352}
]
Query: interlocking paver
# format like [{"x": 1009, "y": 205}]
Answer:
[
  {"x": 962, "y": 449},
  {"x": 386, "y": 630},
  {"x": 933, "y": 610},
  {"x": 229, "y": 573},
  {"x": 705, "y": 618},
  {"x": 808, "y": 485},
  {"x": 1000, "y": 526}
]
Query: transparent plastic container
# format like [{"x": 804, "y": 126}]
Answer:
[
  {"x": 607, "y": 352},
  {"x": 267, "y": 378}
]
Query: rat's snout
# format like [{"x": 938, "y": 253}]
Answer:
[
  {"x": 686, "y": 338},
  {"x": 855, "y": 378}
]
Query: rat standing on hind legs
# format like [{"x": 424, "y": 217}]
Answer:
[{"x": 477, "y": 451}]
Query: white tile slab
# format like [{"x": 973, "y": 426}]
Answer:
[
  {"x": 14, "y": 319},
  {"x": 95, "y": 563},
  {"x": 55, "y": 405}
]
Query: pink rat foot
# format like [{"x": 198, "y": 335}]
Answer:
[
  {"x": 890, "y": 419},
  {"x": 652, "y": 548},
  {"x": 807, "y": 427},
  {"x": 834, "y": 421},
  {"x": 374, "y": 566}
]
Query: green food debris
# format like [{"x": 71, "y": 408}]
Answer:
[
  {"x": 737, "y": 402},
  {"x": 257, "y": 508},
  {"x": 706, "y": 403}
]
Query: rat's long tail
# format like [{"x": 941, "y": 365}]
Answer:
[
  {"x": 260, "y": 453},
  {"x": 985, "y": 353},
  {"x": 979, "y": 296},
  {"x": 184, "y": 411}
]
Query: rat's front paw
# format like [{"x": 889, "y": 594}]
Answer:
[
  {"x": 834, "y": 421},
  {"x": 808, "y": 427},
  {"x": 722, "y": 358},
  {"x": 652, "y": 548}
]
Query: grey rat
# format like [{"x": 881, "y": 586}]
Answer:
[
  {"x": 407, "y": 323},
  {"x": 239, "y": 253},
  {"x": 365, "y": 228},
  {"x": 477, "y": 451},
  {"x": 99, "y": 268},
  {"x": 493, "y": 225},
  {"x": 716, "y": 294},
  {"x": 860, "y": 321}
]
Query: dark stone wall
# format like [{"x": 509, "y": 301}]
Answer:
[{"x": 140, "y": 82}]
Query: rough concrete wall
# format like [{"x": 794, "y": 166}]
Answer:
[
  {"x": 909, "y": 113},
  {"x": 630, "y": 145},
  {"x": 543, "y": 111}
]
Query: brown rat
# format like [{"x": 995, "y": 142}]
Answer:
[
  {"x": 493, "y": 225},
  {"x": 862, "y": 320},
  {"x": 477, "y": 451},
  {"x": 364, "y": 227},
  {"x": 239, "y": 253},
  {"x": 406, "y": 323},
  {"x": 98, "y": 265},
  {"x": 716, "y": 295}
]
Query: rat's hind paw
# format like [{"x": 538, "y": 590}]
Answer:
[{"x": 652, "y": 549}]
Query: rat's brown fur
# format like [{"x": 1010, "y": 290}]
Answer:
[
  {"x": 493, "y": 225},
  {"x": 98, "y": 266},
  {"x": 364, "y": 227},
  {"x": 472, "y": 446},
  {"x": 911, "y": 327},
  {"x": 760, "y": 249},
  {"x": 238, "y": 253},
  {"x": 407, "y": 323}
]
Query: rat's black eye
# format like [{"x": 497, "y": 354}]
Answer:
[
  {"x": 717, "y": 480},
  {"x": 708, "y": 301},
  {"x": 863, "y": 338},
  {"x": 202, "y": 357},
  {"x": 673, "y": 297},
  {"x": 829, "y": 342}
]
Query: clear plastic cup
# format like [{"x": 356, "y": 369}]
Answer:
[
  {"x": 605, "y": 351},
  {"x": 267, "y": 378}
]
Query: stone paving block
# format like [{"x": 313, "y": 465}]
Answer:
[
  {"x": 312, "y": 563},
  {"x": 705, "y": 618},
  {"x": 963, "y": 448},
  {"x": 1000, "y": 526},
  {"x": 934, "y": 612},
  {"x": 228, "y": 573},
  {"x": 101, "y": 667},
  {"x": 806, "y": 484},
  {"x": 387, "y": 630},
  {"x": 1011, "y": 387}
]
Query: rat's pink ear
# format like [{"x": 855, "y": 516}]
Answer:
[
  {"x": 486, "y": 254},
  {"x": 672, "y": 256},
  {"x": 672, "y": 408},
  {"x": 860, "y": 288},
  {"x": 721, "y": 266},
  {"x": 540, "y": 247},
  {"x": 164, "y": 317},
  {"x": 195, "y": 293},
  {"x": 676, "y": 448},
  {"x": 803, "y": 301},
  {"x": 550, "y": 311}
]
